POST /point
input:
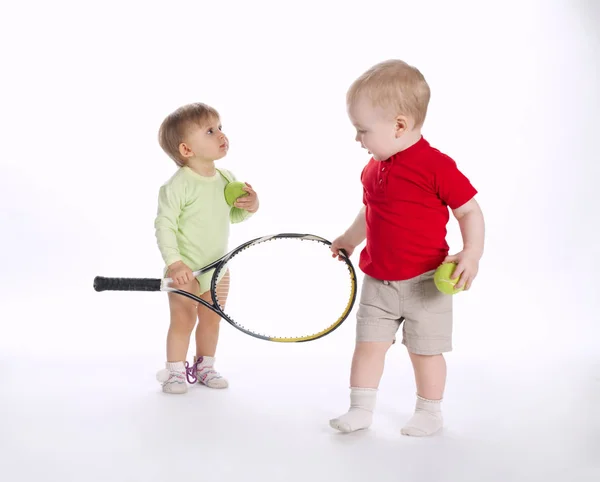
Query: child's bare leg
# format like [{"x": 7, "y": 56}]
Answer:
[
  {"x": 367, "y": 368},
  {"x": 207, "y": 337},
  {"x": 377, "y": 322},
  {"x": 430, "y": 377},
  {"x": 207, "y": 330},
  {"x": 183, "y": 319},
  {"x": 368, "y": 363}
]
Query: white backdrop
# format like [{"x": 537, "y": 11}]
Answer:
[{"x": 85, "y": 87}]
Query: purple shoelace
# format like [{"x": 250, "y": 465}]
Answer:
[{"x": 191, "y": 370}]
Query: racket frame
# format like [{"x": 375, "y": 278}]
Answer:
[{"x": 219, "y": 263}]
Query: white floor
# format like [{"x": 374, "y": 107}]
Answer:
[
  {"x": 79, "y": 401},
  {"x": 104, "y": 419}
]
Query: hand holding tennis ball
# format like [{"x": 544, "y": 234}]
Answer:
[
  {"x": 444, "y": 281},
  {"x": 241, "y": 195},
  {"x": 457, "y": 272},
  {"x": 234, "y": 190}
]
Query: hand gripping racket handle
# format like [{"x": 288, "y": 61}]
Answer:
[{"x": 126, "y": 284}]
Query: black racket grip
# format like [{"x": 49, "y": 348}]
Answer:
[{"x": 126, "y": 284}]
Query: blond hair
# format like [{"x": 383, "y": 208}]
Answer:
[
  {"x": 175, "y": 126},
  {"x": 395, "y": 85}
]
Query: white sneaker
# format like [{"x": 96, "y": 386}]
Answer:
[
  {"x": 203, "y": 372},
  {"x": 172, "y": 378}
]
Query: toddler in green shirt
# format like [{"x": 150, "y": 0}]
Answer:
[{"x": 192, "y": 230}]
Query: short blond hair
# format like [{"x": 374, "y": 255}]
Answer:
[
  {"x": 394, "y": 84},
  {"x": 173, "y": 129}
]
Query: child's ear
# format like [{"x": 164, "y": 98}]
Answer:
[
  {"x": 402, "y": 126},
  {"x": 185, "y": 151}
]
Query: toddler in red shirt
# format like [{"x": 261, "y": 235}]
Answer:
[{"x": 408, "y": 189}]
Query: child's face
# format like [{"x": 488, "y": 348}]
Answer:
[
  {"x": 207, "y": 142},
  {"x": 376, "y": 130}
]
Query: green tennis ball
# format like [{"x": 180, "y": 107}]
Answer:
[
  {"x": 234, "y": 190},
  {"x": 442, "y": 280}
]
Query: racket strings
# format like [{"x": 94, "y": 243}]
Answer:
[
  {"x": 287, "y": 289},
  {"x": 222, "y": 290}
]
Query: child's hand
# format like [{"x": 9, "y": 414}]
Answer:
[
  {"x": 467, "y": 265},
  {"x": 180, "y": 273},
  {"x": 341, "y": 243},
  {"x": 250, "y": 202}
]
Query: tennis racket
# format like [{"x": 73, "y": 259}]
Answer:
[{"x": 281, "y": 288}]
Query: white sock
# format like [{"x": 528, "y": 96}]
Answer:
[
  {"x": 207, "y": 375},
  {"x": 172, "y": 378},
  {"x": 427, "y": 419},
  {"x": 360, "y": 415}
]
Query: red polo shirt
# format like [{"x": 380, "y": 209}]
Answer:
[{"x": 407, "y": 199}]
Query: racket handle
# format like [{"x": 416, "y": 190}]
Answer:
[{"x": 126, "y": 284}]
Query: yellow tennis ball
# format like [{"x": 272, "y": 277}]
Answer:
[
  {"x": 234, "y": 190},
  {"x": 442, "y": 280}
]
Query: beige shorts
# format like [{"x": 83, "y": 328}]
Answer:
[{"x": 426, "y": 313}]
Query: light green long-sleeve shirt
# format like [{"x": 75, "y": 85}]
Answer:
[{"x": 193, "y": 219}]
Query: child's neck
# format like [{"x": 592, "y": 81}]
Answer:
[
  {"x": 204, "y": 167},
  {"x": 410, "y": 139}
]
